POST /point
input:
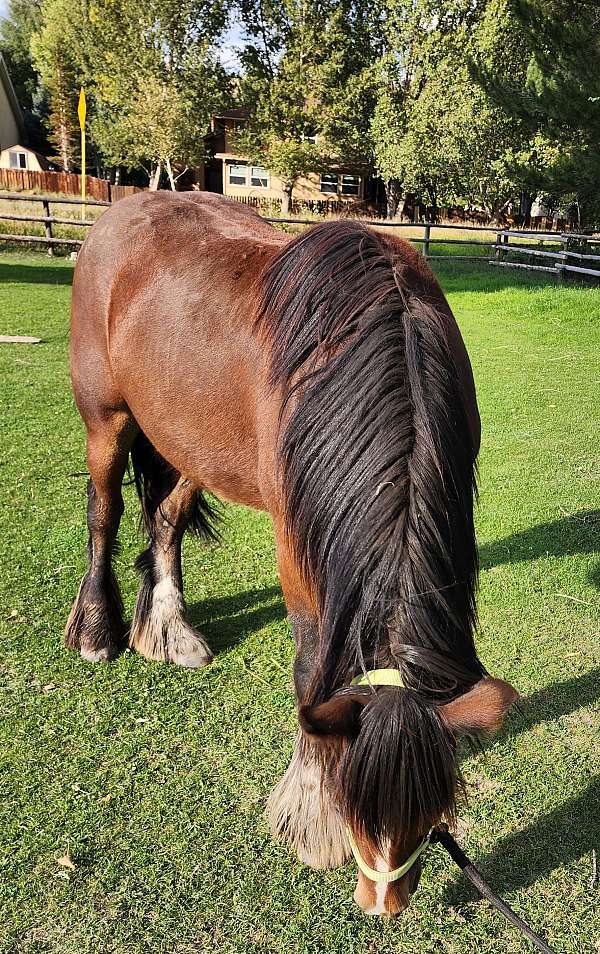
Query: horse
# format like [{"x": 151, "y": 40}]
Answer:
[{"x": 321, "y": 378}]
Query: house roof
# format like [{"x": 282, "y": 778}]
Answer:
[
  {"x": 11, "y": 95},
  {"x": 238, "y": 112}
]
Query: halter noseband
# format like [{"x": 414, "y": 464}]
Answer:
[{"x": 384, "y": 677}]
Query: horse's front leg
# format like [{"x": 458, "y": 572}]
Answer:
[{"x": 300, "y": 808}]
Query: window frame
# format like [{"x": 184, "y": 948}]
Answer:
[
  {"x": 258, "y": 181},
  {"x": 17, "y": 153},
  {"x": 331, "y": 175},
  {"x": 355, "y": 185},
  {"x": 237, "y": 165}
]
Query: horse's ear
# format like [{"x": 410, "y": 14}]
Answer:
[
  {"x": 338, "y": 716},
  {"x": 480, "y": 711}
]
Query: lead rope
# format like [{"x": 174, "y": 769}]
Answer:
[{"x": 443, "y": 836}]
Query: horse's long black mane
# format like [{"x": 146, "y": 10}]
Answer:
[{"x": 378, "y": 476}]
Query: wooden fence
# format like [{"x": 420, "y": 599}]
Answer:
[
  {"x": 569, "y": 248},
  {"x": 572, "y": 253},
  {"x": 67, "y": 183}
]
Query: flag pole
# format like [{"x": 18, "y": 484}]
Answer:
[{"x": 81, "y": 111}]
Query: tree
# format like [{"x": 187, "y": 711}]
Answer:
[
  {"x": 351, "y": 46},
  {"x": 280, "y": 89},
  {"x": 435, "y": 131},
  {"x": 154, "y": 79},
  {"x": 53, "y": 53},
  {"x": 559, "y": 99}
]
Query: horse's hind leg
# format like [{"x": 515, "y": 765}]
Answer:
[
  {"x": 95, "y": 626},
  {"x": 160, "y": 629}
]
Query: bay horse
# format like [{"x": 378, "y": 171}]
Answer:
[{"x": 323, "y": 379}]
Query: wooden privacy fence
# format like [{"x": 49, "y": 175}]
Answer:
[
  {"x": 508, "y": 247},
  {"x": 68, "y": 183}
]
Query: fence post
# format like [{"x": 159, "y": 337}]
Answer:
[
  {"x": 506, "y": 239},
  {"x": 560, "y": 262},
  {"x": 426, "y": 235},
  {"x": 498, "y": 241},
  {"x": 48, "y": 226}
]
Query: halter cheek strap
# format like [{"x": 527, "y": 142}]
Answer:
[{"x": 384, "y": 677}]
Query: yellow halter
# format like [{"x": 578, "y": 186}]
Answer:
[{"x": 384, "y": 677}]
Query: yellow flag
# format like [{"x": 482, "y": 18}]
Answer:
[{"x": 81, "y": 108}]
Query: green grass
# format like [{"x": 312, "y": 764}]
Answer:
[{"x": 154, "y": 779}]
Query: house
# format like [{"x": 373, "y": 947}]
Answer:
[
  {"x": 11, "y": 118},
  {"x": 231, "y": 174},
  {"x": 23, "y": 158}
]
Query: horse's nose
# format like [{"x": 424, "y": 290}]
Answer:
[{"x": 385, "y": 900}]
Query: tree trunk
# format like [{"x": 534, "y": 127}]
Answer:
[
  {"x": 286, "y": 197},
  {"x": 170, "y": 173},
  {"x": 433, "y": 197},
  {"x": 65, "y": 156},
  {"x": 155, "y": 177},
  {"x": 392, "y": 197}
]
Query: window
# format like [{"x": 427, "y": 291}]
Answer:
[
  {"x": 259, "y": 177},
  {"x": 329, "y": 182},
  {"x": 340, "y": 184},
  {"x": 350, "y": 185},
  {"x": 237, "y": 175},
  {"x": 18, "y": 160}
]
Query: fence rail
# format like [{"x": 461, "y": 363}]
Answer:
[
  {"x": 559, "y": 255},
  {"x": 559, "y": 246}
]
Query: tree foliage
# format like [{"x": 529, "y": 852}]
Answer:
[
  {"x": 153, "y": 77},
  {"x": 280, "y": 88},
  {"x": 559, "y": 98},
  {"x": 150, "y": 72}
]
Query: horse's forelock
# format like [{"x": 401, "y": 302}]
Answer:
[{"x": 397, "y": 777}]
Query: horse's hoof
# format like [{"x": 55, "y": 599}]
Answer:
[
  {"x": 193, "y": 660},
  {"x": 105, "y": 654}
]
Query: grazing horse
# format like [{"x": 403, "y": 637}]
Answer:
[{"x": 322, "y": 379}]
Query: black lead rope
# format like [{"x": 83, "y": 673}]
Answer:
[{"x": 443, "y": 836}]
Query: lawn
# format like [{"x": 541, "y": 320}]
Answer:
[{"x": 153, "y": 780}]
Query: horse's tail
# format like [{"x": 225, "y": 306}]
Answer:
[
  {"x": 376, "y": 457},
  {"x": 154, "y": 479}
]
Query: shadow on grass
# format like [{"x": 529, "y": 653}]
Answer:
[
  {"x": 42, "y": 274},
  {"x": 568, "y": 833},
  {"x": 227, "y": 620},
  {"x": 559, "y": 699},
  {"x": 577, "y": 533}
]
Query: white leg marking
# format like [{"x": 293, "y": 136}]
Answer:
[
  {"x": 166, "y": 634},
  {"x": 301, "y": 813}
]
